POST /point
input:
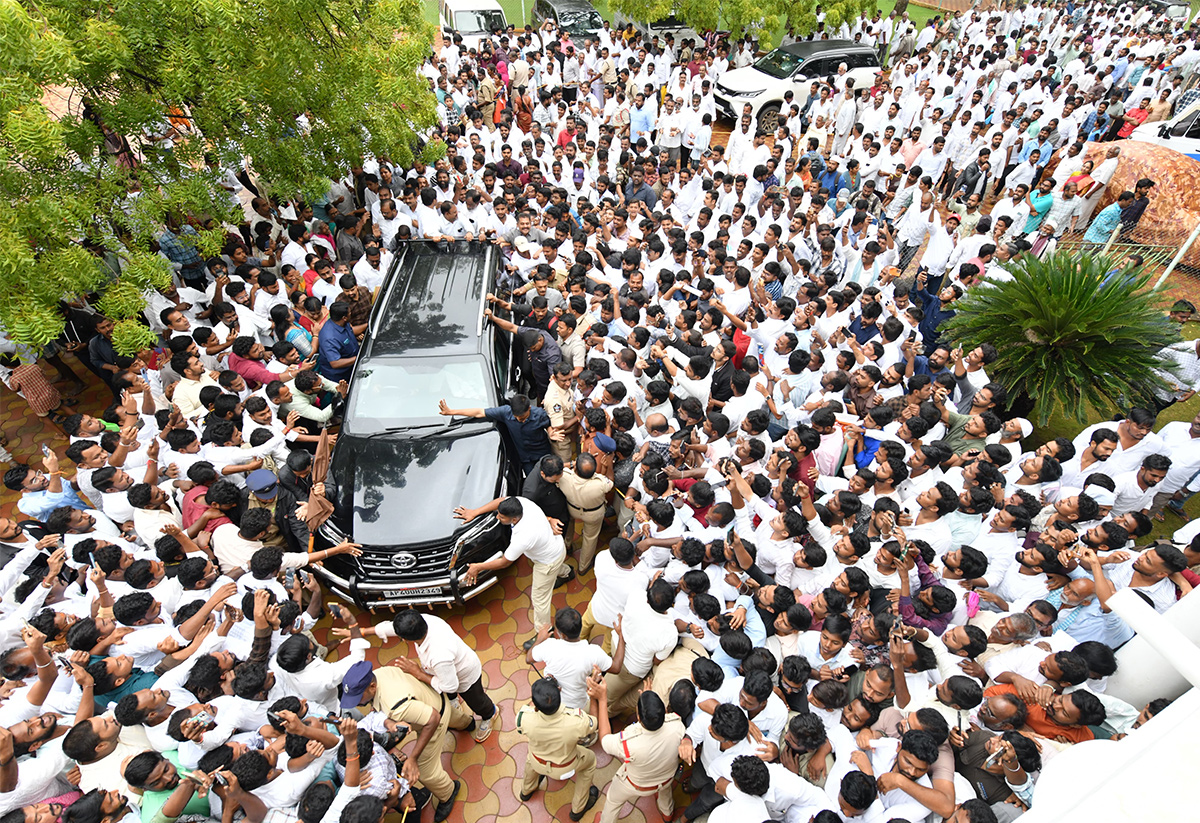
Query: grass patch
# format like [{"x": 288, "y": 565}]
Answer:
[{"x": 512, "y": 11}]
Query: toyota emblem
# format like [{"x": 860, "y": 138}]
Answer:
[{"x": 404, "y": 560}]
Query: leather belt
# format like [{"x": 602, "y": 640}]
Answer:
[
  {"x": 580, "y": 508},
  {"x": 553, "y": 765},
  {"x": 653, "y": 788}
]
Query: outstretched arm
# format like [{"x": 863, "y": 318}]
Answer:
[{"x": 449, "y": 412}]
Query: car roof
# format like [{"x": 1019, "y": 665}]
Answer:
[
  {"x": 571, "y": 5},
  {"x": 474, "y": 5},
  {"x": 808, "y": 48},
  {"x": 432, "y": 300}
]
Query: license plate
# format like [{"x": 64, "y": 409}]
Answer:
[{"x": 432, "y": 591}]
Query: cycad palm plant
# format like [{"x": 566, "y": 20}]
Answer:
[{"x": 1065, "y": 341}]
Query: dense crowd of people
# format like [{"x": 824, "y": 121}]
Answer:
[{"x": 834, "y": 584}]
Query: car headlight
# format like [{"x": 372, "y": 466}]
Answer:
[
  {"x": 332, "y": 533},
  {"x": 749, "y": 93},
  {"x": 479, "y": 528}
]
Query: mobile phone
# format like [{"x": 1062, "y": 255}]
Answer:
[
  {"x": 993, "y": 758},
  {"x": 275, "y": 717},
  {"x": 289, "y": 579},
  {"x": 46, "y": 450},
  {"x": 220, "y": 779},
  {"x": 202, "y": 718},
  {"x": 912, "y": 335}
]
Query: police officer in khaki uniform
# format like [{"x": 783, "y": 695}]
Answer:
[
  {"x": 554, "y": 733},
  {"x": 559, "y": 403},
  {"x": 585, "y": 490},
  {"x": 404, "y": 699},
  {"x": 648, "y": 751}
]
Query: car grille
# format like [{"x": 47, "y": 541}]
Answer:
[{"x": 433, "y": 561}]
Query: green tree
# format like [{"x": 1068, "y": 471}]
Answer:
[
  {"x": 232, "y": 76},
  {"x": 766, "y": 19},
  {"x": 1065, "y": 342}
]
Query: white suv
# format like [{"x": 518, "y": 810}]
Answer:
[{"x": 793, "y": 67}]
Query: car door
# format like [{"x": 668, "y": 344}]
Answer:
[
  {"x": 815, "y": 68},
  {"x": 862, "y": 67}
]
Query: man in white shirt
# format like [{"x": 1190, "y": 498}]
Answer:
[
  {"x": 447, "y": 664},
  {"x": 570, "y": 660},
  {"x": 298, "y": 247},
  {"x": 617, "y": 575},
  {"x": 533, "y": 536},
  {"x": 653, "y": 640}
]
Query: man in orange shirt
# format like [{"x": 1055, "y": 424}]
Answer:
[{"x": 1064, "y": 718}]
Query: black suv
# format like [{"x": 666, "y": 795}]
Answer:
[
  {"x": 399, "y": 469},
  {"x": 578, "y": 18}
]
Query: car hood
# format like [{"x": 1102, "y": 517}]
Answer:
[
  {"x": 397, "y": 490},
  {"x": 746, "y": 79}
]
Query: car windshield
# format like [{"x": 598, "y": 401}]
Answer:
[
  {"x": 473, "y": 22},
  {"x": 580, "y": 20},
  {"x": 668, "y": 22},
  {"x": 400, "y": 391},
  {"x": 779, "y": 63}
]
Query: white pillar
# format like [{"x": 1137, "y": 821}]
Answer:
[{"x": 1162, "y": 660}]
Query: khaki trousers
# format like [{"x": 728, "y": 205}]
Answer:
[
  {"x": 541, "y": 593},
  {"x": 433, "y": 773},
  {"x": 584, "y": 767},
  {"x": 591, "y": 630},
  {"x": 589, "y": 523},
  {"x": 621, "y": 791},
  {"x": 622, "y": 691},
  {"x": 564, "y": 448}
]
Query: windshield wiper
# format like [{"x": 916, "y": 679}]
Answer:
[
  {"x": 399, "y": 429},
  {"x": 438, "y": 428},
  {"x": 447, "y": 427}
]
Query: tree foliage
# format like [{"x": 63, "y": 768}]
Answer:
[
  {"x": 1064, "y": 341},
  {"x": 233, "y": 75},
  {"x": 766, "y": 19}
]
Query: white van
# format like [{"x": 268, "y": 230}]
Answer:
[
  {"x": 475, "y": 20},
  {"x": 1181, "y": 132}
]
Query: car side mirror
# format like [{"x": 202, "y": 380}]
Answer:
[{"x": 799, "y": 77}]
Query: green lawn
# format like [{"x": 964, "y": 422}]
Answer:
[
  {"x": 512, "y": 10},
  {"x": 1065, "y": 426}
]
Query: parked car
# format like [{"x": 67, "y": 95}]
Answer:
[
  {"x": 1181, "y": 132},
  {"x": 399, "y": 469},
  {"x": 578, "y": 17},
  {"x": 1177, "y": 11},
  {"x": 792, "y": 67},
  {"x": 473, "y": 19},
  {"x": 661, "y": 27}
]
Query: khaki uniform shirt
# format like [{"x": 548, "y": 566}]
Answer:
[
  {"x": 585, "y": 495},
  {"x": 554, "y": 738},
  {"x": 560, "y": 405},
  {"x": 648, "y": 758},
  {"x": 405, "y": 699},
  {"x": 574, "y": 352},
  {"x": 273, "y": 537}
]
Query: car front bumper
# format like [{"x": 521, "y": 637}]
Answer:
[{"x": 447, "y": 590}]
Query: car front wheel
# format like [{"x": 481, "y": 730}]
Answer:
[{"x": 768, "y": 118}]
